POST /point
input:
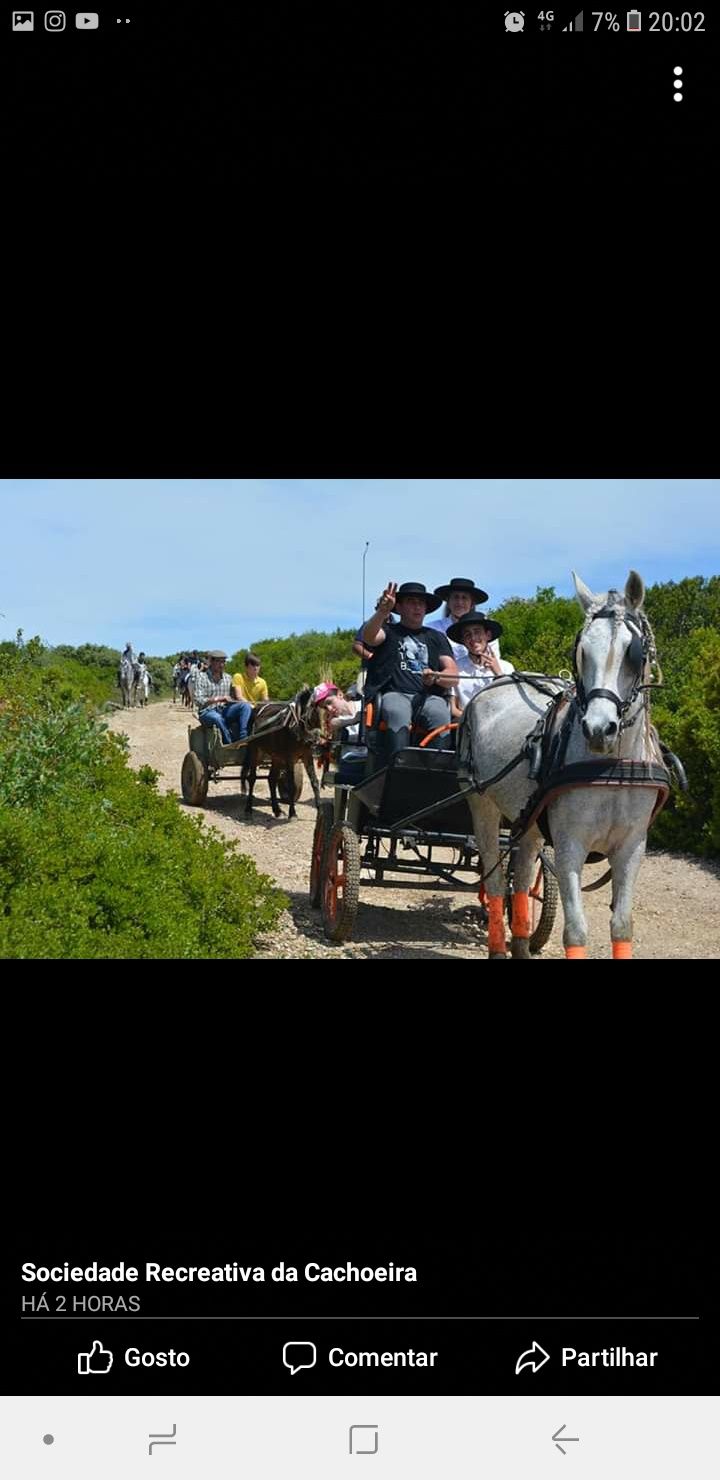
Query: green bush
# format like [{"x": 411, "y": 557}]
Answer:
[
  {"x": 288, "y": 663},
  {"x": 60, "y": 675},
  {"x": 160, "y": 670},
  {"x": 94, "y": 863},
  {"x": 539, "y": 631},
  {"x": 687, "y": 716}
]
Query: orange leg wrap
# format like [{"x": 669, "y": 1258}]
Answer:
[
  {"x": 575, "y": 953},
  {"x": 622, "y": 950},
  {"x": 496, "y": 927},
  {"x": 521, "y": 915}
]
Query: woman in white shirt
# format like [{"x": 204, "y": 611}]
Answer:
[{"x": 480, "y": 667}]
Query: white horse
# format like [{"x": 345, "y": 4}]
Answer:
[
  {"x": 142, "y": 684},
  {"x": 605, "y": 724},
  {"x": 126, "y": 680}
]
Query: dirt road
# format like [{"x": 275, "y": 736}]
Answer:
[{"x": 677, "y": 900}]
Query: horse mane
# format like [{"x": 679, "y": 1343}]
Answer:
[
  {"x": 614, "y": 602},
  {"x": 302, "y": 698}
]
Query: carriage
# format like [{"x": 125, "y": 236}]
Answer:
[
  {"x": 208, "y": 759},
  {"x": 408, "y": 820}
]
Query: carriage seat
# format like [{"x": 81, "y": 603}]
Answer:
[{"x": 373, "y": 726}]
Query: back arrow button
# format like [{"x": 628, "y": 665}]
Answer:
[{"x": 566, "y": 1439}]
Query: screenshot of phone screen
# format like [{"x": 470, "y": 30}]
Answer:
[{"x": 359, "y": 625}]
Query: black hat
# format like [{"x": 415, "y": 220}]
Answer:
[
  {"x": 473, "y": 619},
  {"x": 461, "y": 583},
  {"x": 416, "y": 588}
]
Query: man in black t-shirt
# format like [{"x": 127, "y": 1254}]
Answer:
[{"x": 413, "y": 667}]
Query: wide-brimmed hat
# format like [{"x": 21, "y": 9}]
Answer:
[
  {"x": 464, "y": 584},
  {"x": 416, "y": 588},
  {"x": 473, "y": 619},
  {"x": 216, "y": 653}
]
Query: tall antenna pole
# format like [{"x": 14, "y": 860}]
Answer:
[{"x": 367, "y": 544}]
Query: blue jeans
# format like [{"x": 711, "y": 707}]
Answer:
[
  {"x": 236, "y": 718},
  {"x": 210, "y": 717}
]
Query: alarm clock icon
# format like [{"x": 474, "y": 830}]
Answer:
[{"x": 514, "y": 20}]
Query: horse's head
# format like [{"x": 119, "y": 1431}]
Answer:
[
  {"x": 611, "y": 653},
  {"x": 307, "y": 711}
]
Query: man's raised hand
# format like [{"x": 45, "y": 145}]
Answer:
[{"x": 387, "y": 600}]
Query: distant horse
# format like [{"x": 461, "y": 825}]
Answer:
[
  {"x": 600, "y": 768},
  {"x": 184, "y": 688},
  {"x": 189, "y": 695},
  {"x": 284, "y": 746},
  {"x": 126, "y": 680},
  {"x": 142, "y": 685}
]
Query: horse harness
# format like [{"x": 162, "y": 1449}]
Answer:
[
  {"x": 545, "y": 747},
  {"x": 270, "y": 717},
  {"x": 640, "y": 652}
]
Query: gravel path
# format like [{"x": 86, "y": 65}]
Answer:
[{"x": 677, "y": 900}]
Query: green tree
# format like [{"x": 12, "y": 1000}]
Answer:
[{"x": 93, "y": 862}]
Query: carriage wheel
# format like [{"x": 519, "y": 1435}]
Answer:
[
  {"x": 323, "y": 828},
  {"x": 543, "y": 900},
  {"x": 340, "y": 882},
  {"x": 194, "y": 779},
  {"x": 298, "y": 777}
]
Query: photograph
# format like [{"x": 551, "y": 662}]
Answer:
[{"x": 335, "y": 718}]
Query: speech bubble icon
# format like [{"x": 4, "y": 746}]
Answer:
[{"x": 298, "y": 1355}]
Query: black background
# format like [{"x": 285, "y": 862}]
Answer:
[
  {"x": 374, "y": 92},
  {"x": 357, "y": 240}
]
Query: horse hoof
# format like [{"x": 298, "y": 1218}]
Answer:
[
  {"x": 276, "y": 812},
  {"x": 520, "y": 948},
  {"x": 497, "y": 956}
]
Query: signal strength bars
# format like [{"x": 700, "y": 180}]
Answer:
[{"x": 575, "y": 25}]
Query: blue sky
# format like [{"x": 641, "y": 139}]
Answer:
[{"x": 220, "y": 563}]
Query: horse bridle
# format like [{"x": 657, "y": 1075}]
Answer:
[{"x": 640, "y": 651}]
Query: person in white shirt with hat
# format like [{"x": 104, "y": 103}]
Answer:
[{"x": 479, "y": 667}]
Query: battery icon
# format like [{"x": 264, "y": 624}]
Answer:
[{"x": 634, "y": 20}]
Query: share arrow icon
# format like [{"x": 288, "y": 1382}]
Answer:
[{"x": 529, "y": 1358}]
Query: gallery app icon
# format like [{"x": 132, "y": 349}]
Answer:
[{"x": 23, "y": 20}]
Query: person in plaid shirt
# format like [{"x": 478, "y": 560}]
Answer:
[{"x": 215, "y": 706}]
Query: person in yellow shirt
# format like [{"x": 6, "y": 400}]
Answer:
[{"x": 249, "y": 685}]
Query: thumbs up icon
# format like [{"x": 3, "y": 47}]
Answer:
[{"x": 98, "y": 1360}]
